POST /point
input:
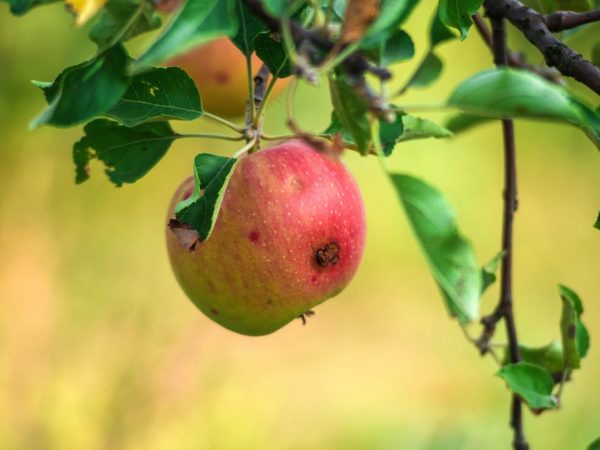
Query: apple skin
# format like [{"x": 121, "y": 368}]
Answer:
[
  {"x": 219, "y": 70},
  {"x": 290, "y": 234}
]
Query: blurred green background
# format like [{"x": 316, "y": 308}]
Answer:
[{"x": 99, "y": 348}]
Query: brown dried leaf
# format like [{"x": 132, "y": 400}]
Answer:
[{"x": 357, "y": 18}]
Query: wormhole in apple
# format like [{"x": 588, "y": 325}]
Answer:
[{"x": 328, "y": 254}]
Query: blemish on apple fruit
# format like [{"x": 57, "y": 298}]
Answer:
[
  {"x": 254, "y": 236},
  {"x": 214, "y": 311},
  {"x": 314, "y": 279},
  {"x": 187, "y": 194},
  {"x": 222, "y": 77},
  {"x": 328, "y": 254}
]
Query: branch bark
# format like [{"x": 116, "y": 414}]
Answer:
[
  {"x": 565, "y": 20},
  {"x": 504, "y": 308},
  {"x": 355, "y": 65},
  {"x": 556, "y": 54},
  {"x": 515, "y": 59}
]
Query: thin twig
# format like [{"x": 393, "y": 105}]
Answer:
[
  {"x": 505, "y": 304},
  {"x": 556, "y": 53},
  {"x": 565, "y": 20},
  {"x": 312, "y": 43},
  {"x": 515, "y": 59}
]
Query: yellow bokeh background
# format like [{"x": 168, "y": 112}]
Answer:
[{"x": 100, "y": 349}]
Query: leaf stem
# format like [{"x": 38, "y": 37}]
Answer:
[
  {"x": 210, "y": 136},
  {"x": 222, "y": 121},
  {"x": 251, "y": 109}
]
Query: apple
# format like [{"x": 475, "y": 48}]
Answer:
[
  {"x": 219, "y": 71},
  {"x": 289, "y": 235}
]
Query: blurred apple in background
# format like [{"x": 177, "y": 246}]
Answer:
[{"x": 219, "y": 70}]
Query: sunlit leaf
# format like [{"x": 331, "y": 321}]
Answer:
[
  {"x": 211, "y": 176},
  {"x": 488, "y": 271},
  {"x": 550, "y": 357},
  {"x": 128, "y": 153},
  {"x": 392, "y": 14},
  {"x": 274, "y": 55},
  {"x": 457, "y": 14},
  {"x": 594, "y": 445},
  {"x": 352, "y": 112},
  {"x": 20, "y": 7},
  {"x": 161, "y": 94},
  {"x": 399, "y": 47},
  {"x": 438, "y": 32},
  {"x": 407, "y": 127},
  {"x": 85, "y": 91},
  {"x": 575, "y": 337},
  {"x": 450, "y": 256},
  {"x": 427, "y": 72},
  {"x": 197, "y": 22},
  {"x": 114, "y": 21},
  {"x": 249, "y": 28},
  {"x": 517, "y": 93},
  {"x": 530, "y": 382},
  {"x": 461, "y": 122}
]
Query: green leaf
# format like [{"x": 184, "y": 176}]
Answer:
[
  {"x": 457, "y": 14},
  {"x": 128, "y": 153},
  {"x": 450, "y": 256},
  {"x": 161, "y": 94},
  {"x": 463, "y": 122},
  {"x": 574, "y": 5},
  {"x": 596, "y": 54},
  {"x": 505, "y": 93},
  {"x": 597, "y": 224},
  {"x": 438, "y": 32},
  {"x": 391, "y": 15},
  {"x": 399, "y": 47},
  {"x": 352, "y": 111},
  {"x": 197, "y": 22},
  {"x": 530, "y": 382},
  {"x": 279, "y": 8},
  {"x": 20, "y": 7},
  {"x": 274, "y": 55},
  {"x": 85, "y": 91},
  {"x": 594, "y": 445},
  {"x": 575, "y": 337},
  {"x": 250, "y": 27},
  {"x": 549, "y": 357},
  {"x": 116, "y": 16},
  {"x": 407, "y": 127},
  {"x": 211, "y": 176},
  {"x": 488, "y": 271},
  {"x": 427, "y": 72},
  {"x": 404, "y": 128}
]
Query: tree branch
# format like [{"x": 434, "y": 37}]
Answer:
[
  {"x": 565, "y": 20},
  {"x": 504, "y": 309},
  {"x": 355, "y": 64},
  {"x": 533, "y": 25},
  {"x": 515, "y": 59}
]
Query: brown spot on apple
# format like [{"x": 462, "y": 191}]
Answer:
[
  {"x": 222, "y": 77},
  {"x": 329, "y": 254}
]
